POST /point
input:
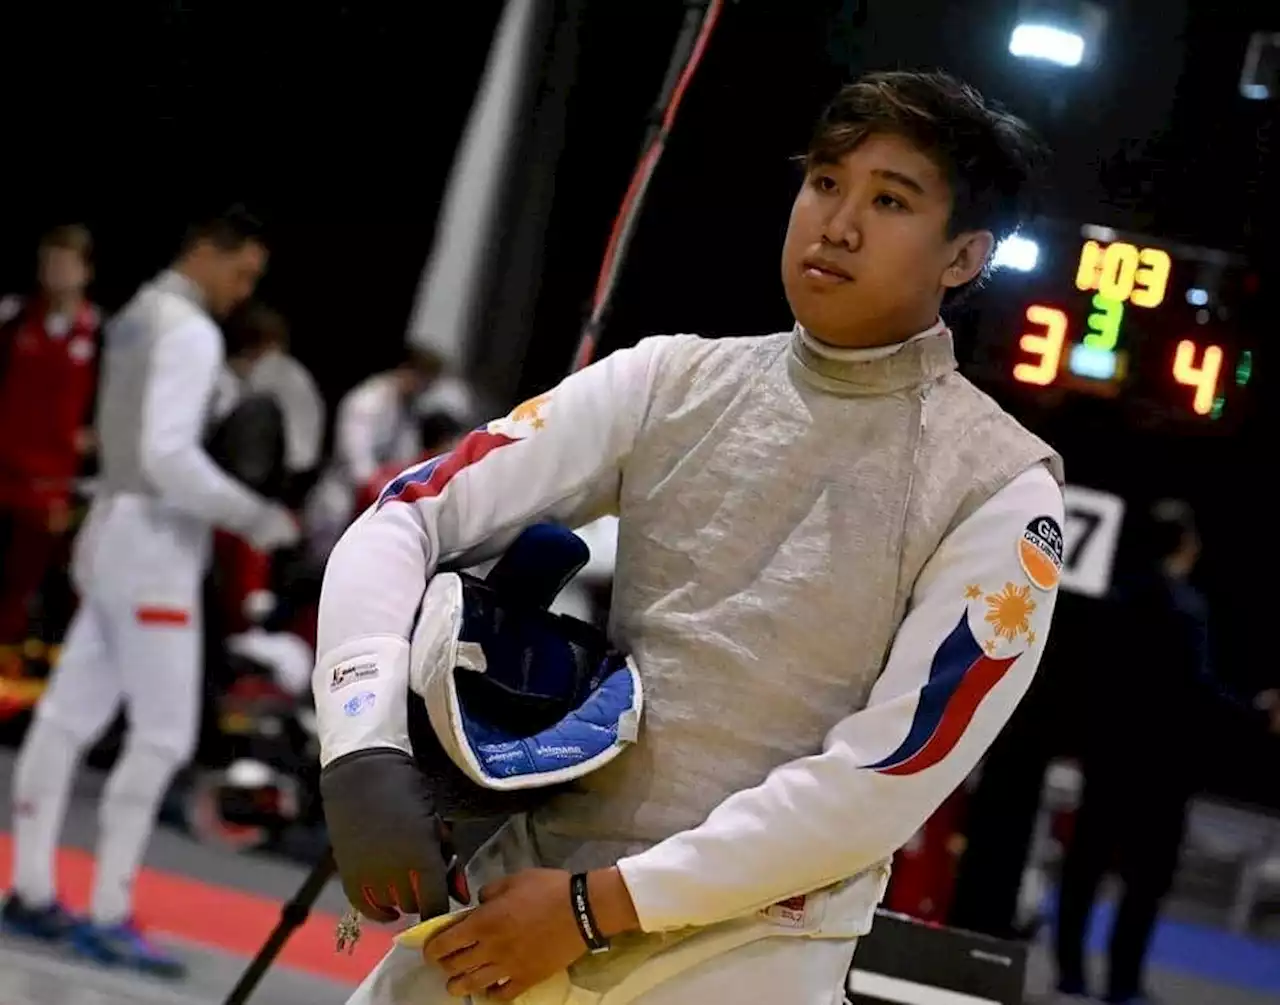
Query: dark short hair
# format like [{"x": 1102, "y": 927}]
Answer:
[
  {"x": 70, "y": 237},
  {"x": 229, "y": 230},
  {"x": 993, "y": 160},
  {"x": 424, "y": 361},
  {"x": 254, "y": 326},
  {"x": 437, "y": 428}
]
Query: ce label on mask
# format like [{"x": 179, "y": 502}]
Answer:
[{"x": 1091, "y": 534}]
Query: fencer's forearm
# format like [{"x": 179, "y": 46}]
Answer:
[
  {"x": 812, "y": 823},
  {"x": 188, "y": 479},
  {"x": 949, "y": 685},
  {"x": 611, "y": 903},
  {"x": 375, "y": 578}
]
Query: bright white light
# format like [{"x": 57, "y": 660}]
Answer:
[
  {"x": 1255, "y": 92},
  {"x": 1104, "y": 235},
  {"x": 1094, "y": 363},
  {"x": 1018, "y": 253},
  {"x": 247, "y": 774},
  {"x": 1197, "y": 297},
  {"x": 1042, "y": 41}
]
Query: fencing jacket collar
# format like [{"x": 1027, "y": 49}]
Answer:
[
  {"x": 173, "y": 281},
  {"x": 921, "y": 359}
]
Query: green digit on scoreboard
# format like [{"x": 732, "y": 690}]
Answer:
[{"x": 1104, "y": 323}]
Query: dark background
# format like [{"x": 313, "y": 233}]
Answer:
[{"x": 339, "y": 123}]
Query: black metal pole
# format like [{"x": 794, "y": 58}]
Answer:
[{"x": 292, "y": 916}]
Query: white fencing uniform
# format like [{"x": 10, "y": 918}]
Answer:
[
  {"x": 290, "y": 383},
  {"x": 375, "y": 425},
  {"x": 140, "y": 560},
  {"x": 138, "y": 565},
  {"x": 835, "y": 570}
]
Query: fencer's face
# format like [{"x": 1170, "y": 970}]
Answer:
[
  {"x": 867, "y": 256},
  {"x": 230, "y": 277},
  {"x": 62, "y": 271}
]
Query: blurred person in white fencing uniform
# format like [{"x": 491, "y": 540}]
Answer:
[
  {"x": 138, "y": 565},
  {"x": 837, "y": 564},
  {"x": 377, "y": 424},
  {"x": 263, "y": 377},
  {"x": 258, "y": 339}
]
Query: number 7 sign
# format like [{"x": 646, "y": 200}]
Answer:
[{"x": 1091, "y": 534}]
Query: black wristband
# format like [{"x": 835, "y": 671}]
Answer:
[{"x": 587, "y": 926}]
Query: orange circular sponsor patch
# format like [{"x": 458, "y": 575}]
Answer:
[{"x": 1040, "y": 550}]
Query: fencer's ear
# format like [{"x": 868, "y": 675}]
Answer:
[{"x": 969, "y": 254}]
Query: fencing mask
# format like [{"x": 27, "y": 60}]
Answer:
[{"x": 506, "y": 701}]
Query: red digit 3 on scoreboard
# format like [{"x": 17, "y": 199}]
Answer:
[{"x": 1044, "y": 346}]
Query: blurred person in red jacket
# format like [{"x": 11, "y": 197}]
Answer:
[{"x": 48, "y": 368}]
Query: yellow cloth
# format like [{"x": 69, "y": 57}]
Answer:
[{"x": 420, "y": 934}]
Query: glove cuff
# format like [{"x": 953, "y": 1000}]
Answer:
[{"x": 359, "y": 689}]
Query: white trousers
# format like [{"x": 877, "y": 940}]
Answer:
[
  {"x": 750, "y": 961},
  {"x": 771, "y": 971},
  {"x": 137, "y": 635}
]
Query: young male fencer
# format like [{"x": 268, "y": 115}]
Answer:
[
  {"x": 837, "y": 562},
  {"x": 138, "y": 567}
]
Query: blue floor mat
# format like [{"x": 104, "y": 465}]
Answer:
[{"x": 1211, "y": 954}]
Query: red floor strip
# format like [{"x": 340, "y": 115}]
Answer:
[{"x": 221, "y": 918}]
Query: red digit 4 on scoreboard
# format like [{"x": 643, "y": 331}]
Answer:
[{"x": 1202, "y": 375}]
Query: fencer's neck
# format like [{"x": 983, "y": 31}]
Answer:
[
  {"x": 916, "y": 361},
  {"x": 65, "y": 305},
  {"x": 845, "y": 354},
  {"x": 180, "y": 281}
]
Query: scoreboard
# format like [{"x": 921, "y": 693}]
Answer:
[
  {"x": 1137, "y": 358},
  {"x": 1156, "y": 326}
]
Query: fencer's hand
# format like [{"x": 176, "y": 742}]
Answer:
[
  {"x": 386, "y": 837},
  {"x": 524, "y": 932},
  {"x": 276, "y": 528}
]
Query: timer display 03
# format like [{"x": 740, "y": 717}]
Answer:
[{"x": 1116, "y": 316}]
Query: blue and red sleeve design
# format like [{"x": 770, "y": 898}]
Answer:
[
  {"x": 430, "y": 478},
  {"x": 960, "y": 678}
]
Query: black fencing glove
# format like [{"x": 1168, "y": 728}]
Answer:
[{"x": 379, "y": 807}]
